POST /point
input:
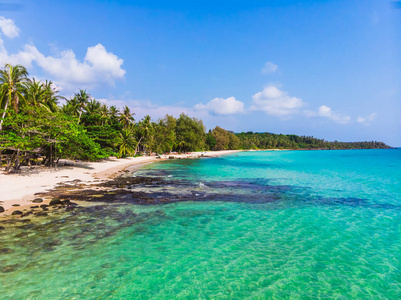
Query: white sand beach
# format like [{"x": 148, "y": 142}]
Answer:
[{"x": 21, "y": 188}]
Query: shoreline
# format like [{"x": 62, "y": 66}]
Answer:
[{"x": 18, "y": 190}]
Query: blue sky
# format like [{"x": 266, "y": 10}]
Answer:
[{"x": 330, "y": 69}]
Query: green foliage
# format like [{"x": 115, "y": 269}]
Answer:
[
  {"x": 251, "y": 140},
  {"x": 221, "y": 139},
  {"x": 126, "y": 142},
  {"x": 165, "y": 134},
  {"x": 32, "y": 124},
  {"x": 210, "y": 141},
  {"x": 190, "y": 134}
]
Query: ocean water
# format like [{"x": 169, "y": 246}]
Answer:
[{"x": 250, "y": 225}]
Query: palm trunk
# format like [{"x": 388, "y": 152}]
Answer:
[
  {"x": 79, "y": 116},
  {"x": 4, "y": 115},
  {"x": 137, "y": 146}
]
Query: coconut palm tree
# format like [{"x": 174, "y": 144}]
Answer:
[
  {"x": 81, "y": 98},
  {"x": 145, "y": 129},
  {"x": 70, "y": 108},
  {"x": 93, "y": 107},
  {"x": 126, "y": 117},
  {"x": 41, "y": 94},
  {"x": 34, "y": 92},
  {"x": 51, "y": 98},
  {"x": 126, "y": 142},
  {"x": 113, "y": 114},
  {"x": 12, "y": 79},
  {"x": 104, "y": 114}
]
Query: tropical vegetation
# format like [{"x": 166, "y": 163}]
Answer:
[{"x": 38, "y": 126}]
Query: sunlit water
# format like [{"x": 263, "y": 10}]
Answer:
[{"x": 280, "y": 224}]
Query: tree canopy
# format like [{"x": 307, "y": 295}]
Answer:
[{"x": 37, "y": 125}]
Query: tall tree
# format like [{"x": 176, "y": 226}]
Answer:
[
  {"x": 126, "y": 117},
  {"x": 126, "y": 142},
  {"x": 144, "y": 130},
  {"x": 113, "y": 113},
  {"x": 51, "y": 98},
  {"x": 190, "y": 133},
  {"x": 12, "y": 80},
  {"x": 34, "y": 92},
  {"x": 81, "y": 99}
]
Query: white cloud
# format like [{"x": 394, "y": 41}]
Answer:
[
  {"x": 366, "y": 120},
  {"x": 8, "y": 27},
  {"x": 276, "y": 102},
  {"x": 221, "y": 106},
  {"x": 98, "y": 66},
  {"x": 326, "y": 112},
  {"x": 269, "y": 67}
]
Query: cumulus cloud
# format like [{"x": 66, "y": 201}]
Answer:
[
  {"x": 98, "y": 66},
  {"x": 276, "y": 102},
  {"x": 221, "y": 106},
  {"x": 366, "y": 120},
  {"x": 8, "y": 28},
  {"x": 269, "y": 67},
  {"x": 326, "y": 112}
]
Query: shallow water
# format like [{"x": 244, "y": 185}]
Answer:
[{"x": 288, "y": 224}]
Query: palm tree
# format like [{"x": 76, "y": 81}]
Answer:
[
  {"x": 51, "y": 98},
  {"x": 11, "y": 82},
  {"x": 93, "y": 107},
  {"x": 113, "y": 114},
  {"x": 126, "y": 142},
  {"x": 104, "y": 114},
  {"x": 126, "y": 117},
  {"x": 42, "y": 94},
  {"x": 34, "y": 92},
  {"x": 145, "y": 128},
  {"x": 81, "y": 98},
  {"x": 70, "y": 108}
]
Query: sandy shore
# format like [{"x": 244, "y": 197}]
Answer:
[{"x": 20, "y": 189}]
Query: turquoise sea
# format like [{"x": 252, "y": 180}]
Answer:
[{"x": 250, "y": 225}]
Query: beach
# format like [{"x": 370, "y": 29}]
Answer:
[{"x": 20, "y": 189}]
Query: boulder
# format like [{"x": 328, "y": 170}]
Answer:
[
  {"x": 37, "y": 200},
  {"x": 17, "y": 213},
  {"x": 1, "y": 209},
  {"x": 55, "y": 202}
]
